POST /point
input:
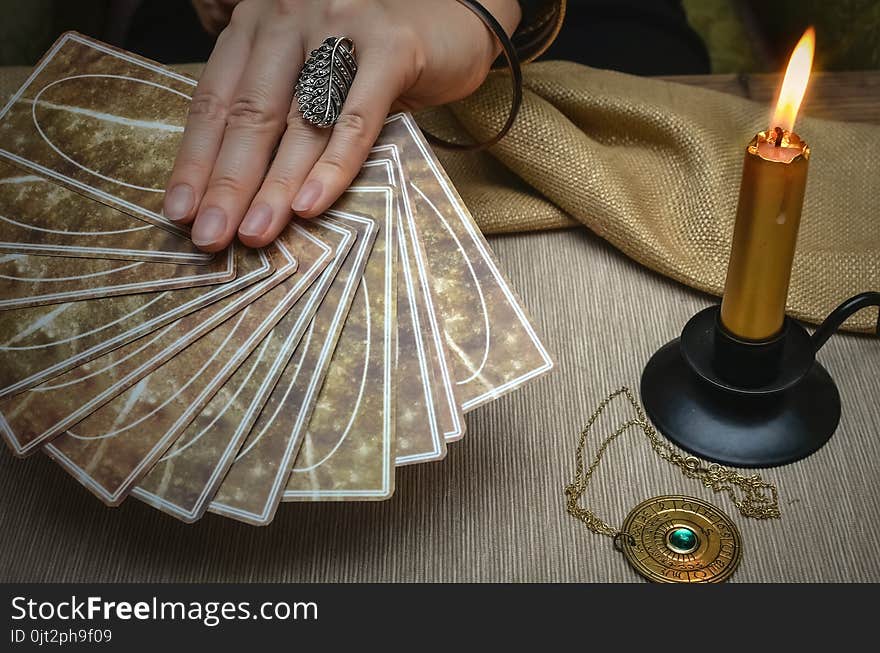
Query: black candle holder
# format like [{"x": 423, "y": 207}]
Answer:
[{"x": 744, "y": 403}]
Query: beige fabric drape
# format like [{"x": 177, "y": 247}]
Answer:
[{"x": 654, "y": 168}]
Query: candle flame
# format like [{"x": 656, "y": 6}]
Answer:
[{"x": 794, "y": 85}]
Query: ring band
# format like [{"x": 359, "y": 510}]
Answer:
[{"x": 325, "y": 80}]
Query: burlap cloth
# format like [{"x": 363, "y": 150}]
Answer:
[{"x": 654, "y": 168}]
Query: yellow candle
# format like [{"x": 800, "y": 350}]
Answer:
[{"x": 769, "y": 213}]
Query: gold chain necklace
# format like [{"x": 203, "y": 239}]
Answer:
[{"x": 674, "y": 538}]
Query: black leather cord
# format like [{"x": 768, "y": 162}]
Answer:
[{"x": 515, "y": 75}]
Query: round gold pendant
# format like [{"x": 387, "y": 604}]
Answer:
[{"x": 678, "y": 539}]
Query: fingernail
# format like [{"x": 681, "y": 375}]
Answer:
[
  {"x": 307, "y": 196},
  {"x": 256, "y": 220},
  {"x": 209, "y": 227},
  {"x": 179, "y": 201}
]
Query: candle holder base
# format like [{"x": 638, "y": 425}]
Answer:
[
  {"x": 735, "y": 429},
  {"x": 746, "y": 404}
]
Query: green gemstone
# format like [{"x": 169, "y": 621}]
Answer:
[{"x": 682, "y": 540}]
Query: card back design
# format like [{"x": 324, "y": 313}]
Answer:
[
  {"x": 38, "y": 216},
  {"x": 185, "y": 479},
  {"x": 447, "y": 410},
  {"x": 348, "y": 450},
  {"x": 254, "y": 484},
  {"x": 40, "y": 280},
  {"x": 31, "y": 418},
  {"x": 42, "y": 342},
  {"x": 421, "y": 430},
  {"x": 493, "y": 345},
  {"x": 115, "y": 446},
  {"x": 102, "y": 122}
]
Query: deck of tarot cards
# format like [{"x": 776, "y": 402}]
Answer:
[{"x": 230, "y": 383}]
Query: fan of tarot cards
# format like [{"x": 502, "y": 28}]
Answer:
[{"x": 229, "y": 383}]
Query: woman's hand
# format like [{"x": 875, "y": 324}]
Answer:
[
  {"x": 214, "y": 15},
  {"x": 410, "y": 54}
]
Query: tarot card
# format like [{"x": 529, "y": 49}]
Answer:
[
  {"x": 41, "y": 217},
  {"x": 253, "y": 487},
  {"x": 30, "y": 418},
  {"x": 493, "y": 346},
  {"x": 111, "y": 450},
  {"x": 102, "y": 122},
  {"x": 347, "y": 452},
  {"x": 42, "y": 342},
  {"x": 419, "y": 435},
  {"x": 40, "y": 280},
  {"x": 187, "y": 477},
  {"x": 447, "y": 411}
]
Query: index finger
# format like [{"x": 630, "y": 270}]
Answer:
[{"x": 206, "y": 122}]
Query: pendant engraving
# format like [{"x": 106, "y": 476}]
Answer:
[{"x": 679, "y": 539}]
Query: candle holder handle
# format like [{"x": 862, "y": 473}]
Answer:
[
  {"x": 746, "y": 403},
  {"x": 842, "y": 313}
]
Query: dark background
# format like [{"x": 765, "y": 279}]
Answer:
[{"x": 652, "y": 37}]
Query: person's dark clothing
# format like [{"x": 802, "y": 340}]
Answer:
[{"x": 643, "y": 37}]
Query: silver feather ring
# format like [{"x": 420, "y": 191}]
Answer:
[{"x": 325, "y": 81}]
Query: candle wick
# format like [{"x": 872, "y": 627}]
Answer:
[{"x": 779, "y": 133}]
